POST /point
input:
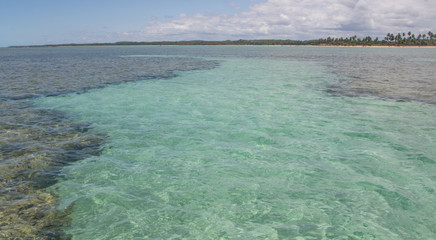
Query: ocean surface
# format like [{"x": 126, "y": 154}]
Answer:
[{"x": 218, "y": 142}]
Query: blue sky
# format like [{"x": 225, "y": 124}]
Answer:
[
  {"x": 24, "y": 22},
  {"x": 61, "y": 21}
]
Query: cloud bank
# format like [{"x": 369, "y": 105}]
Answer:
[{"x": 299, "y": 20}]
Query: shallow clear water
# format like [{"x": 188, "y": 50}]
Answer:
[
  {"x": 256, "y": 148},
  {"x": 36, "y": 143}
]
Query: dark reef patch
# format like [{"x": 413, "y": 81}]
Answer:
[{"x": 36, "y": 143}]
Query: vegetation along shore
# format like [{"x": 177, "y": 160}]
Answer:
[{"x": 390, "y": 40}]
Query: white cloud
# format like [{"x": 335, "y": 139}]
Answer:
[{"x": 300, "y": 19}]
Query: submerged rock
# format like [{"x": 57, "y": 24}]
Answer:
[{"x": 36, "y": 143}]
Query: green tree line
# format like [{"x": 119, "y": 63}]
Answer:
[{"x": 391, "y": 39}]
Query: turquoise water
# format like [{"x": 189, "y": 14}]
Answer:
[{"x": 253, "y": 149}]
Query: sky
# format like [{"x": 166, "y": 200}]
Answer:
[{"x": 31, "y": 22}]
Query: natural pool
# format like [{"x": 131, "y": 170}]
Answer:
[{"x": 253, "y": 143}]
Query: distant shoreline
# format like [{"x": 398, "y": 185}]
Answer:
[
  {"x": 233, "y": 45},
  {"x": 409, "y": 40}
]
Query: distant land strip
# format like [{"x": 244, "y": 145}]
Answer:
[{"x": 399, "y": 39}]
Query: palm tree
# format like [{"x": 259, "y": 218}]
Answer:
[{"x": 398, "y": 38}]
